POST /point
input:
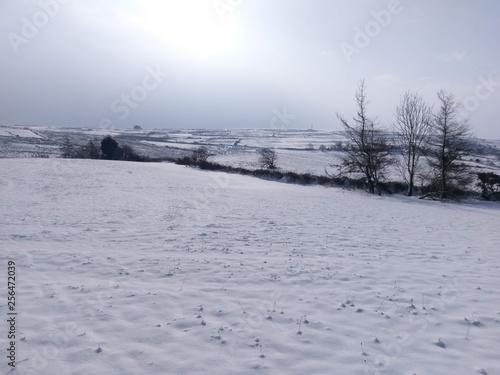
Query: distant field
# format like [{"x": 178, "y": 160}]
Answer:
[{"x": 298, "y": 150}]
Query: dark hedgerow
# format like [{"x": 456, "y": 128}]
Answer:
[
  {"x": 289, "y": 177},
  {"x": 490, "y": 186}
]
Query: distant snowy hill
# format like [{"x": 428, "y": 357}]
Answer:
[{"x": 302, "y": 151}]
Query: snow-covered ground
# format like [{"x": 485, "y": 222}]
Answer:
[{"x": 129, "y": 268}]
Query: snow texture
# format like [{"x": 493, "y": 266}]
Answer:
[{"x": 129, "y": 268}]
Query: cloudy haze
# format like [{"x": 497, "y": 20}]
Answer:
[{"x": 246, "y": 63}]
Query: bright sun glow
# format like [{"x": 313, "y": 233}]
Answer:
[{"x": 191, "y": 26}]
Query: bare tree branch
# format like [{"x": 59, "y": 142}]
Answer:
[
  {"x": 368, "y": 154},
  {"x": 450, "y": 142},
  {"x": 412, "y": 126},
  {"x": 268, "y": 158}
]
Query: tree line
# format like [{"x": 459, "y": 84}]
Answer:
[{"x": 430, "y": 146}]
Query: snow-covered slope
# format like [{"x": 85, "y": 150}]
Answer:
[
  {"x": 127, "y": 268},
  {"x": 17, "y": 132}
]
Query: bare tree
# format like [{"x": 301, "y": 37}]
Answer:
[
  {"x": 413, "y": 121},
  {"x": 268, "y": 158},
  {"x": 91, "y": 150},
  {"x": 368, "y": 154},
  {"x": 200, "y": 155},
  {"x": 450, "y": 141},
  {"x": 68, "y": 149},
  {"x": 128, "y": 153}
]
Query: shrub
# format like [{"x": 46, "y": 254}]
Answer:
[
  {"x": 490, "y": 186},
  {"x": 129, "y": 154},
  {"x": 200, "y": 155},
  {"x": 186, "y": 160},
  {"x": 110, "y": 149},
  {"x": 91, "y": 151}
]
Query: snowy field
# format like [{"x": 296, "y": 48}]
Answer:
[
  {"x": 301, "y": 151},
  {"x": 128, "y": 268}
]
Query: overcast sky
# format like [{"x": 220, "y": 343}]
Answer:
[{"x": 243, "y": 63}]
